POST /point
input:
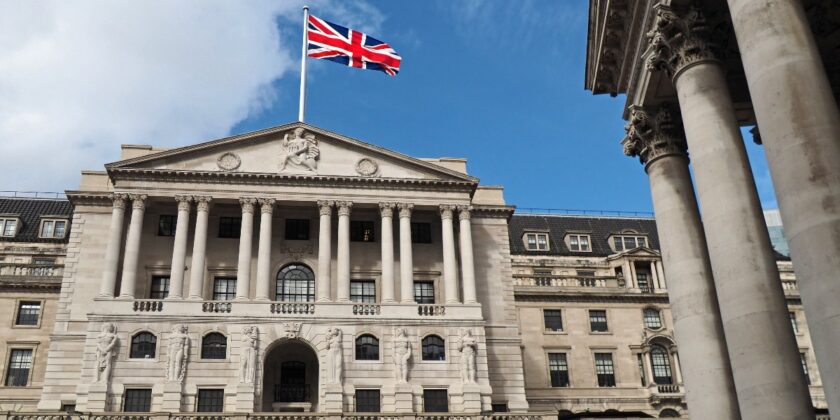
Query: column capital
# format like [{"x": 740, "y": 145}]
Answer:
[
  {"x": 266, "y": 205},
  {"x": 344, "y": 207},
  {"x": 247, "y": 204},
  {"x": 679, "y": 39},
  {"x": 446, "y": 211},
  {"x": 405, "y": 210},
  {"x": 325, "y": 207},
  {"x": 464, "y": 212},
  {"x": 183, "y": 202},
  {"x": 119, "y": 200},
  {"x": 386, "y": 209},
  {"x": 138, "y": 201},
  {"x": 653, "y": 133},
  {"x": 202, "y": 202}
]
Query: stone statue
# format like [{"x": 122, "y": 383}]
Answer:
[
  {"x": 335, "y": 357},
  {"x": 300, "y": 149},
  {"x": 248, "y": 357},
  {"x": 179, "y": 350},
  {"x": 402, "y": 353},
  {"x": 468, "y": 349},
  {"x": 106, "y": 345}
]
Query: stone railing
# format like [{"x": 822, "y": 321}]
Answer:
[
  {"x": 32, "y": 270},
  {"x": 573, "y": 282},
  {"x": 294, "y": 308},
  {"x": 790, "y": 286},
  {"x": 219, "y": 307},
  {"x": 668, "y": 389},
  {"x": 431, "y": 310},
  {"x": 273, "y": 416},
  {"x": 367, "y": 309},
  {"x": 148, "y": 305}
]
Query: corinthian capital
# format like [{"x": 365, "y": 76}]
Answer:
[
  {"x": 386, "y": 209},
  {"x": 247, "y": 204},
  {"x": 405, "y": 210},
  {"x": 325, "y": 207},
  {"x": 652, "y": 133},
  {"x": 183, "y": 202},
  {"x": 464, "y": 212},
  {"x": 678, "y": 40},
  {"x": 344, "y": 207},
  {"x": 119, "y": 200},
  {"x": 446, "y": 211},
  {"x": 202, "y": 202},
  {"x": 138, "y": 201},
  {"x": 266, "y": 205}
]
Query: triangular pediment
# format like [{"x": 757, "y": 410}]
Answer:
[
  {"x": 636, "y": 252},
  {"x": 295, "y": 149}
]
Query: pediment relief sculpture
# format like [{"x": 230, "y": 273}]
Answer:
[{"x": 299, "y": 150}]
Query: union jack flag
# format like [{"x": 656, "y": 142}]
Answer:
[{"x": 329, "y": 41}]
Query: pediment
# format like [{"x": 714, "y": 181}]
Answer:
[
  {"x": 636, "y": 252},
  {"x": 296, "y": 149}
]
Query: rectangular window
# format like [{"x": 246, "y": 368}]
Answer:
[
  {"x": 793, "y": 322},
  {"x": 626, "y": 243},
  {"x": 211, "y": 401},
  {"x": 8, "y": 227},
  {"x": 229, "y": 227},
  {"x": 52, "y": 228},
  {"x": 598, "y": 320},
  {"x": 805, "y": 368},
  {"x": 559, "y": 370},
  {"x": 553, "y": 319},
  {"x": 499, "y": 407},
  {"x": 421, "y": 233},
  {"x": 424, "y": 292},
  {"x": 579, "y": 243},
  {"x": 166, "y": 225},
  {"x": 363, "y": 291},
  {"x": 43, "y": 266},
  {"x": 604, "y": 369},
  {"x": 297, "y": 229},
  {"x": 160, "y": 287},
  {"x": 367, "y": 401},
  {"x": 28, "y": 313},
  {"x": 435, "y": 401},
  {"x": 224, "y": 288},
  {"x": 644, "y": 282},
  {"x": 361, "y": 231},
  {"x": 137, "y": 401},
  {"x": 20, "y": 363},
  {"x": 536, "y": 241}
]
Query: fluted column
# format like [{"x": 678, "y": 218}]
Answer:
[
  {"x": 467, "y": 264},
  {"x": 343, "y": 263},
  {"x": 264, "y": 252},
  {"x": 386, "y": 211},
  {"x": 450, "y": 264},
  {"x": 199, "y": 253},
  {"x": 246, "y": 240},
  {"x": 132, "y": 246},
  {"x": 112, "y": 250},
  {"x": 406, "y": 258},
  {"x": 324, "y": 251},
  {"x": 179, "y": 247}
]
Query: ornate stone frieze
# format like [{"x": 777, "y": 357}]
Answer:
[
  {"x": 679, "y": 39},
  {"x": 228, "y": 161},
  {"x": 325, "y": 207},
  {"x": 652, "y": 133},
  {"x": 292, "y": 329},
  {"x": 106, "y": 350},
  {"x": 248, "y": 357},
  {"x": 248, "y": 204},
  {"x": 299, "y": 150},
  {"x": 179, "y": 353},
  {"x": 296, "y": 253},
  {"x": 405, "y": 209},
  {"x": 367, "y": 167}
]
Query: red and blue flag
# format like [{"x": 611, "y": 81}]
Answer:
[{"x": 328, "y": 41}]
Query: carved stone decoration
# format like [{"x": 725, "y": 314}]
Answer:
[
  {"x": 228, "y": 161},
  {"x": 292, "y": 330},
  {"x": 652, "y": 133},
  {"x": 678, "y": 40},
  {"x": 405, "y": 209},
  {"x": 106, "y": 349},
  {"x": 138, "y": 201},
  {"x": 296, "y": 253},
  {"x": 179, "y": 352},
  {"x": 366, "y": 167},
  {"x": 469, "y": 349},
  {"x": 335, "y": 356},
  {"x": 248, "y": 357},
  {"x": 402, "y": 354},
  {"x": 119, "y": 200},
  {"x": 300, "y": 149}
]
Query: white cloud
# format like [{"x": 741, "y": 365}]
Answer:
[{"x": 79, "y": 78}]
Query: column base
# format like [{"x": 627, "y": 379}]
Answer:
[{"x": 195, "y": 298}]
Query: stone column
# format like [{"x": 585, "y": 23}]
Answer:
[
  {"x": 661, "y": 275},
  {"x": 264, "y": 252},
  {"x": 800, "y": 128},
  {"x": 179, "y": 248},
  {"x": 343, "y": 263},
  {"x": 649, "y": 369},
  {"x": 132, "y": 246},
  {"x": 246, "y": 240},
  {"x": 406, "y": 258},
  {"x": 450, "y": 265},
  {"x": 654, "y": 276},
  {"x": 467, "y": 264},
  {"x": 324, "y": 251},
  {"x": 634, "y": 283},
  {"x": 202, "y": 207},
  {"x": 677, "y": 371},
  {"x": 762, "y": 348},
  {"x": 112, "y": 250},
  {"x": 386, "y": 211},
  {"x": 656, "y": 137}
]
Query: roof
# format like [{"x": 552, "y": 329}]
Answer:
[{"x": 30, "y": 211}]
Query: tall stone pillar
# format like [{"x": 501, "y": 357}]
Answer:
[
  {"x": 386, "y": 211},
  {"x": 132, "y": 246},
  {"x": 179, "y": 248},
  {"x": 649, "y": 369},
  {"x": 343, "y": 263},
  {"x": 677, "y": 371},
  {"x": 246, "y": 240},
  {"x": 800, "y": 127},
  {"x": 202, "y": 212},
  {"x": 762, "y": 347},
  {"x": 406, "y": 258},
  {"x": 467, "y": 263},
  {"x": 112, "y": 250},
  {"x": 450, "y": 264},
  {"x": 656, "y": 137},
  {"x": 324, "y": 251},
  {"x": 264, "y": 251}
]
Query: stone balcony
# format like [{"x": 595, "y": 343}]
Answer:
[
  {"x": 31, "y": 275},
  {"x": 575, "y": 284},
  {"x": 275, "y": 416}
]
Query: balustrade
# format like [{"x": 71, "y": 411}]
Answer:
[
  {"x": 270, "y": 416},
  {"x": 293, "y": 308},
  {"x": 367, "y": 309},
  {"x": 668, "y": 389},
  {"x": 216, "y": 307},
  {"x": 431, "y": 310},
  {"x": 587, "y": 282},
  {"x": 148, "y": 305},
  {"x": 36, "y": 270}
]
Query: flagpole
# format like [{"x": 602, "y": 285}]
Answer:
[{"x": 302, "y": 105}]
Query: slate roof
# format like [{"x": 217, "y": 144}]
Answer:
[{"x": 30, "y": 211}]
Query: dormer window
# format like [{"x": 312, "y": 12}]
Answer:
[
  {"x": 53, "y": 228},
  {"x": 9, "y": 226},
  {"x": 578, "y": 243},
  {"x": 536, "y": 241},
  {"x": 628, "y": 242}
]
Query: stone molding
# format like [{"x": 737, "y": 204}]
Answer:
[
  {"x": 405, "y": 210},
  {"x": 325, "y": 207},
  {"x": 344, "y": 207},
  {"x": 266, "y": 205},
  {"x": 386, "y": 210},
  {"x": 653, "y": 133},
  {"x": 138, "y": 201},
  {"x": 202, "y": 203},
  {"x": 247, "y": 204},
  {"x": 679, "y": 40}
]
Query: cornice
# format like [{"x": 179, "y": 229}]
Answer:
[
  {"x": 492, "y": 212},
  {"x": 86, "y": 198},
  {"x": 554, "y": 296}
]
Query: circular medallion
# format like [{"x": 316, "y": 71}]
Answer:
[
  {"x": 228, "y": 162},
  {"x": 366, "y": 167}
]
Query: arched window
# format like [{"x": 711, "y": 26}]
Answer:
[
  {"x": 669, "y": 413},
  {"x": 143, "y": 345},
  {"x": 367, "y": 347},
  {"x": 295, "y": 283},
  {"x": 661, "y": 363},
  {"x": 652, "y": 319},
  {"x": 433, "y": 348},
  {"x": 214, "y": 346}
]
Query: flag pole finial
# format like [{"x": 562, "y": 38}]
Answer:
[{"x": 302, "y": 105}]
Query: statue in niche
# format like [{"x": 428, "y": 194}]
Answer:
[
  {"x": 179, "y": 348},
  {"x": 402, "y": 353},
  {"x": 335, "y": 359},
  {"x": 301, "y": 149},
  {"x": 248, "y": 358},
  {"x": 106, "y": 345},
  {"x": 468, "y": 349}
]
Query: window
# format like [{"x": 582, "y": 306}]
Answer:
[
  {"x": 210, "y": 401},
  {"x": 28, "y": 313},
  {"x": 143, "y": 346},
  {"x": 559, "y": 370},
  {"x": 224, "y": 288},
  {"x": 499, "y": 407},
  {"x": 793, "y": 322},
  {"x": 295, "y": 283},
  {"x": 229, "y": 227},
  {"x": 424, "y": 292},
  {"x": 166, "y": 225},
  {"x": 68, "y": 408},
  {"x": 435, "y": 401},
  {"x": 641, "y": 360},
  {"x": 421, "y": 233},
  {"x": 661, "y": 364},
  {"x": 20, "y": 363},
  {"x": 214, "y": 346},
  {"x": 137, "y": 401},
  {"x": 53, "y": 228},
  {"x": 297, "y": 229},
  {"x": 160, "y": 287},
  {"x": 604, "y": 369},
  {"x": 626, "y": 243},
  {"x": 579, "y": 243},
  {"x": 553, "y": 319},
  {"x": 542, "y": 277},
  {"x": 361, "y": 231},
  {"x": 43, "y": 266},
  {"x": 644, "y": 283},
  {"x": 652, "y": 319},
  {"x": 367, "y": 401},
  {"x": 367, "y": 347},
  {"x": 598, "y": 320},
  {"x": 363, "y": 291},
  {"x": 433, "y": 348},
  {"x": 536, "y": 241},
  {"x": 802, "y": 357},
  {"x": 8, "y": 227}
]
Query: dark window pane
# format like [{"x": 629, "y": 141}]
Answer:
[
  {"x": 363, "y": 291},
  {"x": 43, "y": 266},
  {"x": 214, "y": 346},
  {"x": 421, "y": 233},
  {"x": 361, "y": 231},
  {"x": 499, "y": 407},
  {"x": 224, "y": 288},
  {"x": 661, "y": 364},
  {"x": 28, "y": 313},
  {"x": 211, "y": 401},
  {"x": 297, "y": 229},
  {"x": 137, "y": 401},
  {"x": 793, "y": 322},
  {"x": 435, "y": 401},
  {"x": 805, "y": 368},
  {"x": 367, "y": 348},
  {"x": 652, "y": 319},
  {"x": 143, "y": 346},
  {"x": 604, "y": 369},
  {"x": 229, "y": 227},
  {"x": 160, "y": 287},
  {"x": 598, "y": 321},
  {"x": 295, "y": 283},
  {"x": 559, "y": 370},
  {"x": 553, "y": 320},
  {"x": 367, "y": 401},
  {"x": 433, "y": 348},
  {"x": 166, "y": 225},
  {"x": 20, "y": 363},
  {"x": 643, "y": 280},
  {"x": 424, "y": 292}
]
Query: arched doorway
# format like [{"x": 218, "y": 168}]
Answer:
[{"x": 290, "y": 378}]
